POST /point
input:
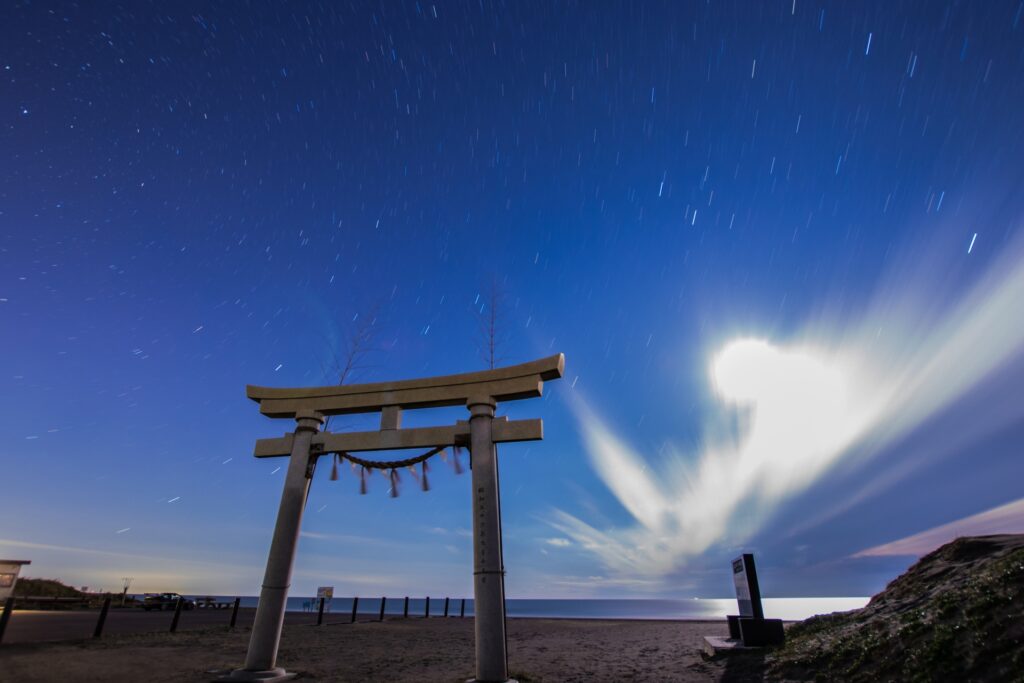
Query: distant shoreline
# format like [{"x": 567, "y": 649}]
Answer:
[{"x": 657, "y": 609}]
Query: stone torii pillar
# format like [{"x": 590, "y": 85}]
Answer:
[
  {"x": 261, "y": 659},
  {"x": 488, "y": 563},
  {"x": 480, "y": 392}
]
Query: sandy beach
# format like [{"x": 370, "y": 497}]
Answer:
[{"x": 419, "y": 650}]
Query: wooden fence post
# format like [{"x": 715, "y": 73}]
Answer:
[
  {"x": 355, "y": 608},
  {"x": 462, "y": 611},
  {"x": 426, "y": 610},
  {"x": 103, "y": 618},
  {"x": 446, "y": 608},
  {"x": 177, "y": 614},
  {"x": 383, "y": 601},
  {"x": 234, "y": 612},
  {"x": 320, "y": 613},
  {"x": 405, "y": 610}
]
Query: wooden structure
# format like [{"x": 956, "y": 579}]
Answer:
[
  {"x": 9, "y": 570},
  {"x": 480, "y": 392}
]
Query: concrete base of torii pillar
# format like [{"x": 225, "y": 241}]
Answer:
[{"x": 269, "y": 676}]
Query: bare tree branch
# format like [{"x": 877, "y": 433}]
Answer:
[
  {"x": 359, "y": 345},
  {"x": 490, "y": 317}
]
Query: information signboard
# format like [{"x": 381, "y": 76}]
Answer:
[{"x": 748, "y": 593}]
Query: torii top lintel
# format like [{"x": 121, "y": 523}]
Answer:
[{"x": 500, "y": 384}]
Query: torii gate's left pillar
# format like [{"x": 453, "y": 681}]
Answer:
[{"x": 266, "y": 631}]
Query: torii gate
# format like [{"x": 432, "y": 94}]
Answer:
[{"x": 480, "y": 392}]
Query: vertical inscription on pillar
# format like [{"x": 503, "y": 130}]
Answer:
[{"x": 481, "y": 514}]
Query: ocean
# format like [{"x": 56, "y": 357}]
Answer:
[{"x": 703, "y": 608}]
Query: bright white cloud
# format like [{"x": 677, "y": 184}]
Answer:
[
  {"x": 558, "y": 542},
  {"x": 801, "y": 415},
  {"x": 799, "y": 420},
  {"x": 849, "y": 394}
]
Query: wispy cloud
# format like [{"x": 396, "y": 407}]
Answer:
[
  {"x": 840, "y": 392},
  {"x": 100, "y": 568},
  {"x": 350, "y": 539},
  {"x": 348, "y": 580},
  {"x": 14, "y": 543},
  {"x": 798, "y": 421},
  {"x": 1005, "y": 519},
  {"x": 589, "y": 583},
  {"x": 457, "y": 531}
]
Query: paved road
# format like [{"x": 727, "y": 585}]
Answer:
[{"x": 30, "y": 626}]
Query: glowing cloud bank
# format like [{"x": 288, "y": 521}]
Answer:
[
  {"x": 1005, "y": 519},
  {"x": 799, "y": 420},
  {"x": 804, "y": 407}
]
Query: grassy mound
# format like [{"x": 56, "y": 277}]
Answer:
[
  {"x": 45, "y": 588},
  {"x": 956, "y": 615}
]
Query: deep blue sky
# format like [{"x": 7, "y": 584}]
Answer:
[{"x": 194, "y": 198}]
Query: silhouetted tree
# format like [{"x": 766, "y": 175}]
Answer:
[
  {"x": 490, "y": 322},
  {"x": 360, "y": 342}
]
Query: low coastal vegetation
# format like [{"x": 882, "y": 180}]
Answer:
[
  {"x": 955, "y": 615},
  {"x": 45, "y": 588},
  {"x": 54, "y": 594}
]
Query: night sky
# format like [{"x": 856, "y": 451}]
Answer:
[{"x": 196, "y": 197}]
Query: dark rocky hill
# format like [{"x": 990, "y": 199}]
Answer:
[{"x": 956, "y": 615}]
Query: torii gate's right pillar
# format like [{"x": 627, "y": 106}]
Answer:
[{"x": 488, "y": 566}]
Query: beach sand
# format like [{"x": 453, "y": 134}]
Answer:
[{"x": 396, "y": 650}]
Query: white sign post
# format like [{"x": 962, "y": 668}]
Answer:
[{"x": 327, "y": 593}]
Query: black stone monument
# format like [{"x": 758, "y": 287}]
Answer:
[{"x": 749, "y": 625}]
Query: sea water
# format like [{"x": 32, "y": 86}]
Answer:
[{"x": 702, "y": 608}]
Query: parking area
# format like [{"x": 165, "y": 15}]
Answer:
[{"x": 31, "y": 626}]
